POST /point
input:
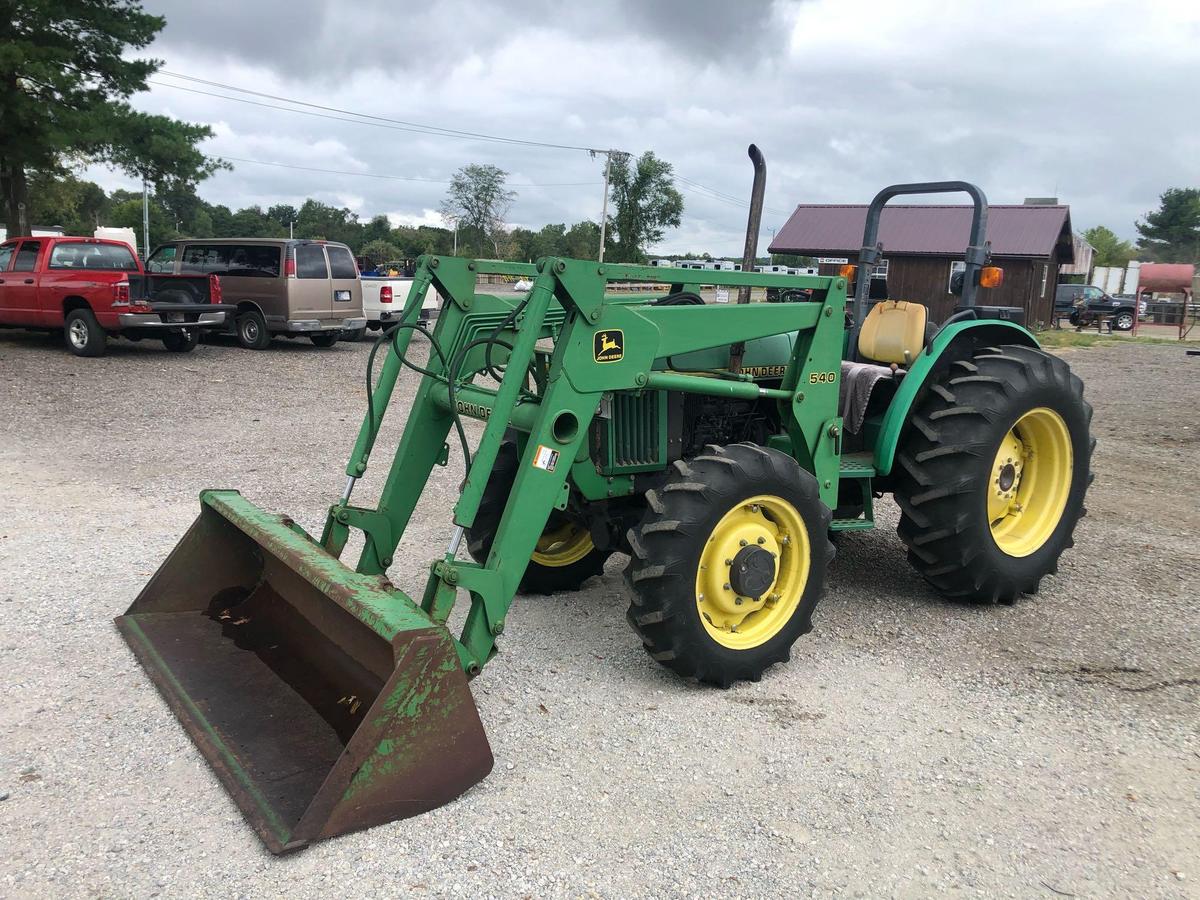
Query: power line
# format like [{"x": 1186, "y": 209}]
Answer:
[
  {"x": 408, "y": 126},
  {"x": 415, "y": 128},
  {"x": 261, "y": 162}
]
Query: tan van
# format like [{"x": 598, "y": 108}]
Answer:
[{"x": 280, "y": 286}]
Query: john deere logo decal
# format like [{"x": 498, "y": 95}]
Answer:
[{"x": 610, "y": 345}]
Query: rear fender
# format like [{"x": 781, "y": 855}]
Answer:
[{"x": 956, "y": 341}]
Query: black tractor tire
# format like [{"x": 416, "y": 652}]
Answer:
[
  {"x": 685, "y": 522},
  {"x": 183, "y": 341},
  {"x": 949, "y": 467},
  {"x": 1122, "y": 320},
  {"x": 252, "y": 330},
  {"x": 324, "y": 340},
  {"x": 83, "y": 334},
  {"x": 582, "y": 558}
]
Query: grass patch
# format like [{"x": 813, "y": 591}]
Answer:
[{"x": 1052, "y": 339}]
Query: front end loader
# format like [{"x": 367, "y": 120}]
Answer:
[{"x": 328, "y": 699}]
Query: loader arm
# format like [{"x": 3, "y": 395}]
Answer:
[{"x": 600, "y": 343}]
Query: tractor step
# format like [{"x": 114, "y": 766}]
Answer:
[
  {"x": 858, "y": 465},
  {"x": 859, "y": 524}
]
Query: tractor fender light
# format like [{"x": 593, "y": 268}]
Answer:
[
  {"x": 847, "y": 271},
  {"x": 991, "y": 277}
]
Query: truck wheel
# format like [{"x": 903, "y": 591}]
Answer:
[
  {"x": 83, "y": 333},
  {"x": 182, "y": 341},
  {"x": 252, "y": 330},
  {"x": 992, "y": 473},
  {"x": 565, "y": 556},
  {"x": 728, "y": 563},
  {"x": 324, "y": 340},
  {"x": 1123, "y": 320}
]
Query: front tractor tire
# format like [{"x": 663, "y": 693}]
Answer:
[
  {"x": 992, "y": 473},
  {"x": 565, "y": 556},
  {"x": 728, "y": 563}
]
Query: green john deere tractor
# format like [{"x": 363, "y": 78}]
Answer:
[{"x": 719, "y": 446}]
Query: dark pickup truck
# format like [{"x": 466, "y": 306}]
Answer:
[
  {"x": 1119, "y": 310},
  {"x": 93, "y": 289}
]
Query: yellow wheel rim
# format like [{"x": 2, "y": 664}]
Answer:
[
  {"x": 741, "y": 622},
  {"x": 1030, "y": 482},
  {"x": 563, "y": 545}
]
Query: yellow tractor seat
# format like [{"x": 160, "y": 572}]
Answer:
[{"x": 894, "y": 332}]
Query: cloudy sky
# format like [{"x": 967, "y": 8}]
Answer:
[{"x": 1094, "y": 102}]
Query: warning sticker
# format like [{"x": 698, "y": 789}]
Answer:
[{"x": 545, "y": 458}]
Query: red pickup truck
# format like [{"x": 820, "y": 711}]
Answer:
[{"x": 93, "y": 288}]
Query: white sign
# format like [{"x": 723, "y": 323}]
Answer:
[
  {"x": 722, "y": 295},
  {"x": 832, "y": 260}
]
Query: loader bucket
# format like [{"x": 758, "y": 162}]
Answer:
[{"x": 326, "y": 701}]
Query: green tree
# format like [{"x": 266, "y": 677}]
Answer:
[
  {"x": 381, "y": 251},
  {"x": 318, "y": 220},
  {"x": 1172, "y": 232},
  {"x": 1110, "y": 249},
  {"x": 477, "y": 200},
  {"x": 378, "y": 229},
  {"x": 582, "y": 240},
  {"x": 65, "y": 75},
  {"x": 252, "y": 222},
  {"x": 283, "y": 213},
  {"x": 126, "y": 212},
  {"x": 78, "y": 206},
  {"x": 645, "y": 203}
]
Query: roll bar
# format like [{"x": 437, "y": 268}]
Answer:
[{"x": 977, "y": 251}]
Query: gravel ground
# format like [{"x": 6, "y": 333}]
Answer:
[{"x": 911, "y": 747}]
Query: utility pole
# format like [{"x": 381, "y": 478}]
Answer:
[
  {"x": 608, "y": 155},
  {"x": 145, "y": 219},
  {"x": 291, "y": 229},
  {"x": 604, "y": 207}
]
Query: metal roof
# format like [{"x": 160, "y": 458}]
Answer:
[{"x": 936, "y": 230}]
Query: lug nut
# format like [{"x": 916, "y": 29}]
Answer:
[
  {"x": 762, "y": 540},
  {"x": 741, "y": 543},
  {"x": 725, "y": 585}
]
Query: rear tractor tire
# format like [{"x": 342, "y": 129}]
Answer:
[
  {"x": 729, "y": 563},
  {"x": 565, "y": 556},
  {"x": 992, "y": 473}
]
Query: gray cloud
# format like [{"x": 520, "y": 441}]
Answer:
[{"x": 843, "y": 96}]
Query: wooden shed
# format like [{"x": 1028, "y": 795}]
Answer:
[{"x": 923, "y": 247}]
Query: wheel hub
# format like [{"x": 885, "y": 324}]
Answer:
[
  {"x": 752, "y": 572},
  {"x": 1008, "y": 475}
]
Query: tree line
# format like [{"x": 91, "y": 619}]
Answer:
[
  {"x": 1169, "y": 234},
  {"x": 79, "y": 206}
]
